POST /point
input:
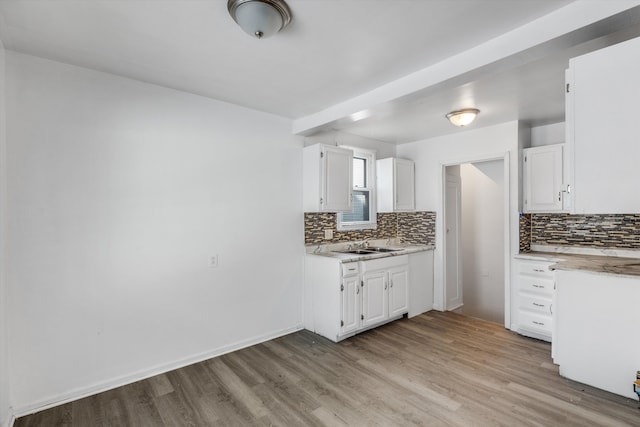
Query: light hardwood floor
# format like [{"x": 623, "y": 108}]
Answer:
[{"x": 435, "y": 369}]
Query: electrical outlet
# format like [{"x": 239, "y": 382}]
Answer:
[
  {"x": 213, "y": 261},
  {"x": 328, "y": 233}
]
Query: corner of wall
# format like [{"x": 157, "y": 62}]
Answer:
[
  {"x": 10, "y": 420},
  {"x": 6, "y": 414},
  {"x": 524, "y": 141}
]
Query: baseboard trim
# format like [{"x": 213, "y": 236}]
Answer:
[{"x": 103, "y": 386}]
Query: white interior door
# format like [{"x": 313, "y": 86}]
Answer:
[{"x": 453, "y": 270}]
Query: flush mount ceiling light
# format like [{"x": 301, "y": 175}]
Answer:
[
  {"x": 260, "y": 18},
  {"x": 463, "y": 117}
]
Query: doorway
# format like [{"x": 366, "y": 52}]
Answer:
[{"x": 474, "y": 213}]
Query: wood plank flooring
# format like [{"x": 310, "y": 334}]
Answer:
[{"x": 435, "y": 369}]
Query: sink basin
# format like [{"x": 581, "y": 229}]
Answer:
[
  {"x": 359, "y": 251},
  {"x": 383, "y": 249},
  {"x": 369, "y": 250}
]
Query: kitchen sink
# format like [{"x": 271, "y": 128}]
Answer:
[
  {"x": 383, "y": 249},
  {"x": 359, "y": 251},
  {"x": 369, "y": 250}
]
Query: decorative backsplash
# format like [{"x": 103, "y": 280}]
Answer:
[
  {"x": 410, "y": 227},
  {"x": 418, "y": 228},
  {"x": 525, "y": 232},
  {"x": 595, "y": 231}
]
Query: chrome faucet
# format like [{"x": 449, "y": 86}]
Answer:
[{"x": 364, "y": 243}]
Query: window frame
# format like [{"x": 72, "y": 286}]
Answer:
[{"x": 372, "y": 224}]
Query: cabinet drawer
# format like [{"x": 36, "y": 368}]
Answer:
[
  {"x": 535, "y": 322},
  {"x": 536, "y": 285},
  {"x": 535, "y": 303},
  {"x": 350, "y": 269},
  {"x": 535, "y": 269}
]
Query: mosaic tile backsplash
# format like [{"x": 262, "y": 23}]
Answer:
[
  {"x": 410, "y": 227},
  {"x": 418, "y": 228},
  {"x": 595, "y": 231},
  {"x": 525, "y": 232}
]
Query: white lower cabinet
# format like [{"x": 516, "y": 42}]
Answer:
[
  {"x": 596, "y": 339},
  {"x": 375, "y": 298},
  {"x": 534, "y": 292},
  {"x": 350, "y": 304},
  {"x": 342, "y": 299},
  {"x": 398, "y": 291}
]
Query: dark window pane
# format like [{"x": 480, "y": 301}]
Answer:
[{"x": 360, "y": 208}]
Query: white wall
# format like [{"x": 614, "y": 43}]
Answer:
[
  {"x": 383, "y": 149},
  {"x": 118, "y": 193},
  {"x": 548, "y": 134},
  {"x": 5, "y": 412},
  {"x": 482, "y": 240},
  {"x": 468, "y": 145}
]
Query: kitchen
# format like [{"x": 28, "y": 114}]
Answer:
[{"x": 114, "y": 204}]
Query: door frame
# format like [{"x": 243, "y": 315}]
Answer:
[
  {"x": 504, "y": 156},
  {"x": 458, "y": 229}
]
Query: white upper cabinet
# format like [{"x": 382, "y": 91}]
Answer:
[
  {"x": 602, "y": 129},
  {"x": 395, "y": 185},
  {"x": 543, "y": 188},
  {"x": 327, "y": 179}
]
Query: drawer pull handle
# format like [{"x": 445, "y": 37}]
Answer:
[
  {"x": 538, "y": 286},
  {"x": 538, "y": 305},
  {"x": 538, "y": 323},
  {"x": 538, "y": 270}
]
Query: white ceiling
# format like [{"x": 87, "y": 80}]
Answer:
[{"x": 333, "y": 51}]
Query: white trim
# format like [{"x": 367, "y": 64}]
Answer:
[
  {"x": 372, "y": 224},
  {"x": 504, "y": 156},
  {"x": 11, "y": 419},
  {"x": 103, "y": 386},
  {"x": 507, "y": 239}
]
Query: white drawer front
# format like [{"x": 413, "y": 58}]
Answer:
[
  {"x": 535, "y": 268},
  {"x": 535, "y": 303},
  {"x": 350, "y": 269},
  {"x": 536, "y": 285},
  {"x": 535, "y": 322}
]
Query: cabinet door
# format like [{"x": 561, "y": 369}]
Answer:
[
  {"x": 604, "y": 128},
  {"x": 337, "y": 179},
  {"x": 543, "y": 179},
  {"x": 350, "y": 306},
  {"x": 375, "y": 305},
  {"x": 398, "y": 291},
  {"x": 404, "y": 184}
]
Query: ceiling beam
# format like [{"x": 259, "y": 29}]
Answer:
[{"x": 557, "y": 30}]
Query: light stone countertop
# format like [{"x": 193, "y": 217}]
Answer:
[
  {"x": 333, "y": 250},
  {"x": 600, "y": 264}
]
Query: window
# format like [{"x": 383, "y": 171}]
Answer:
[{"x": 363, "y": 215}]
